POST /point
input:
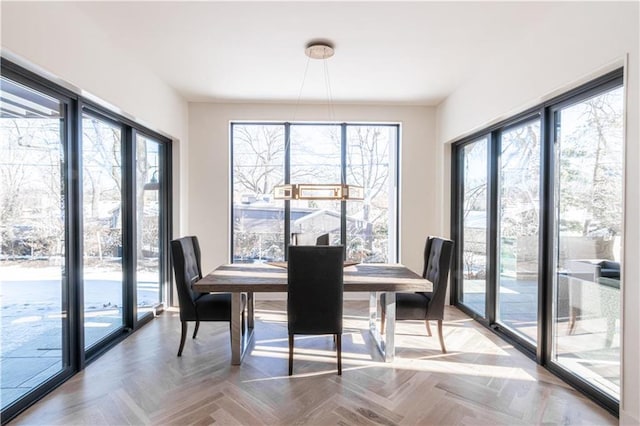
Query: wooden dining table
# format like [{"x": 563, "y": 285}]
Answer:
[{"x": 241, "y": 278}]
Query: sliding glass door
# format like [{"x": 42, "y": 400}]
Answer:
[
  {"x": 538, "y": 223},
  {"x": 102, "y": 228},
  {"x": 148, "y": 226},
  {"x": 33, "y": 240},
  {"x": 588, "y": 239},
  {"x": 474, "y": 225},
  {"x": 84, "y": 226},
  {"x": 518, "y": 219}
]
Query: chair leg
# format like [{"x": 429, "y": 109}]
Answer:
[
  {"x": 290, "y": 354},
  {"x": 196, "y": 330},
  {"x": 339, "y": 352},
  {"x": 183, "y": 337},
  {"x": 444, "y": 350},
  {"x": 382, "y": 318},
  {"x": 428, "y": 328},
  {"x": 243, "y": 323}
]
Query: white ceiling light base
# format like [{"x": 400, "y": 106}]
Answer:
[{"x": 319, "y": 50}]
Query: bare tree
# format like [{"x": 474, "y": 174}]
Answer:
[
  {"x": 519, "y": 181},
  {"x": 30, "y": 186},
  {"x": 102, "y": 186},
  {"x": 368, "y": 166},
  {"x": 591, "y": 166},
  {"x": 258, "y": 158},
  {"x": 474, "y": 201},
  {"x": 258, "y": 165}
]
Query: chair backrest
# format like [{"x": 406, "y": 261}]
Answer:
[
  {"x": 315, "y": 287},
  {"x": 309, "y": 239},
  {"x": 186, "y": 256},
  {"x": 322, "y": 240},
  {"x": 437, "y": 262}
]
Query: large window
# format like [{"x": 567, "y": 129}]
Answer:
[
  {"x": 258, "y": 165},
  {"x": 315, "y": 157},
  {"x": 542, "y": 225},
  {"x": 371, "y": 163},
  {"x": 269, "y": 154},
  {"x": 84, "y": 223}
]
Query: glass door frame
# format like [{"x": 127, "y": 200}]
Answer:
[
  {"x": 546, "y": 111},
  {"x": 71, "y": 358},
  {"x": 129, "y": 130},
  {"x": 605, "y": 83},
  {"x": 528, "y": 347},
  {"x": 75, "y": 358},
  {"x": 116, "y": 335},
  {"x": 457, "y": 232},
  {"x": 490, "y": 318},
  {"x": 164, "y": 204}
]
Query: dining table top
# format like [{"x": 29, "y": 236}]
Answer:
[{"x": 262, "y": 277}]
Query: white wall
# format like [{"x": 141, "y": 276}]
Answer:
[
  {"x": 60, "y": 39},
  {"x": 56, "y": 38},
  {"x": 576, "y": 42},
  {"x": 208, "y": 169}
]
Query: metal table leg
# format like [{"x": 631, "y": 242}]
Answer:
[
  {"x": 240, "y": 339},
  {"x": 385, "y": 345}
]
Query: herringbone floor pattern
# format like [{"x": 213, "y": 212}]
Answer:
[{"x": 481, "y": 381}]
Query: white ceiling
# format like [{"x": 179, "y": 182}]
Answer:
[{"x": 413, "y": 53}]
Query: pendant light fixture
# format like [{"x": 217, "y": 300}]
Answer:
[{"x": 320, "y": 50}]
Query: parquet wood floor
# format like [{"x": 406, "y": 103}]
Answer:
[{"x": 481, "y": 381}]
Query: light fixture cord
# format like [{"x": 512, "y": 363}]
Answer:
[
  {"x": 327, "y": 83},
  {"x": 287, "y": 142},
  {"x": 304, "y": 78}
]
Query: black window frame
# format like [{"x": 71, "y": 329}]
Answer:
[{"x": 343, "y": 173}]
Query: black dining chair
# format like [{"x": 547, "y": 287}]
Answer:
[
  {"x": 308, "y": 239},
  {"x": 322, "y": 240},
  {"x": 314, "y": 294},
  {"x": 427, "y": 306},
  {"x": 196, "y": 306}
]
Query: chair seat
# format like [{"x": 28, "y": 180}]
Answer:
[
  {"x": 215, "y": 306},
  {"x": 410, "y": 306}
]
